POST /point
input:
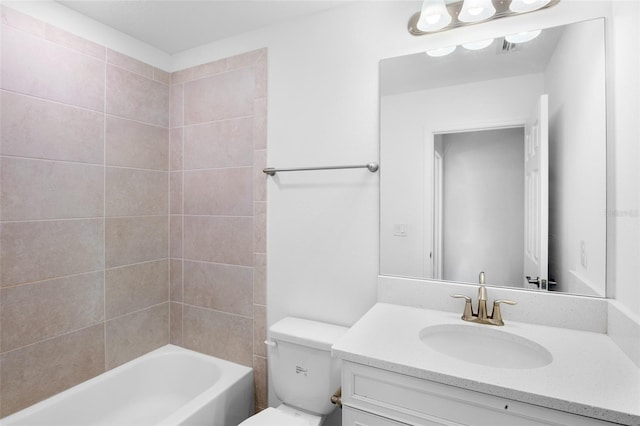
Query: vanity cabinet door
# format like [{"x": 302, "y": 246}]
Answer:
[{"x": 414, "y": 401}]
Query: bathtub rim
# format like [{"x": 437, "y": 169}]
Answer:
[{"x": 231, "y": 373}]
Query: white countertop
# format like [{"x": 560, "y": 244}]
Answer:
[{"x": 589, "y": 374}]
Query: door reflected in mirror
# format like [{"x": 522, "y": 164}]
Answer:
[
  {"x": 494, "y": 161},
  {"x": 478, "y": 205}
]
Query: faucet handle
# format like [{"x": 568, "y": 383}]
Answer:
[
  {"x": 496, "y": 315},
  {"x": 505, "y": 301},
  {"x": 468, "y": 310},
  {"x": 461, "y": 296}
]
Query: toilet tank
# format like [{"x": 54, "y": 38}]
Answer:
[{"x": 303, "y": 372}]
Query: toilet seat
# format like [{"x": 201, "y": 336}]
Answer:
[
  {"x": 274, "y": 417},
  {"x": 281, "y": 417}
]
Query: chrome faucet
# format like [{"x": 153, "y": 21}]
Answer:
[{"x": 481, "y": 316}]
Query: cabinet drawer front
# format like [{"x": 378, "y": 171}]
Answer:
[
  {"x": 353, "y": 417},
  {"x": 417, "y": 401}
]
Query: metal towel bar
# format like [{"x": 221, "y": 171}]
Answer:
[{"x": 373, "y": 167}]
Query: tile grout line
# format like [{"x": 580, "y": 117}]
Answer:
[
  {"x": 206, "y": 262},
  {"x": 182, "y": 85},
  {"x": 1, "y": 241},
  {"x": 104, "y": 212},
  {"x": 203, "y": 77},
  {"x": 36, "y": 282},
  {"x": 254, "y": 196},
  {"x": 246, "y": 317},
  {"x": 103, "y": 113},
  {"x": 217, "y": 121},
  {"x": 46, "y": 39},
  {"x": 264, "y": 188},
  {"x": 169, "y": 199},
  {"x": 76, "y": 330},
  {"x": 105, "y": 218},
  {"x": 112, "y": 166}
]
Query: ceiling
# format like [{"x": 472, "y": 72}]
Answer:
[{"x": 177, "y": 25}]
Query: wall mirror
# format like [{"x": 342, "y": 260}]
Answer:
[{"x": 494, "y": 160}]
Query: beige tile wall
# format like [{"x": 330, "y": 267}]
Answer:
[
  {"x": 123, "y": 188},
  {"x": 218, "y": 211},
  {"x": 84, "y": 232}
]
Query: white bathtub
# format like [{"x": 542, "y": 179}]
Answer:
[{"x": 169, "y": 386}]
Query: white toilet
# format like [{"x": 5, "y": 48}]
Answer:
[{"x": 303, "y": 373}]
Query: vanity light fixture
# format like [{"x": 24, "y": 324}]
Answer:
[
  {"x": 443, "y": 51},
  {"x": 443, "y": 15},
  {"x": 522, "y": 37},
  {"x": 482, "y": 44},
  {"x": 476, "y": 10},
  {"x": 521, "y": 6},
  {"x": 434, "y": 16},
  {"x": 478, "y": 45}
]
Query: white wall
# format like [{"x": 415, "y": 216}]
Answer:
[
  {"x": 623, "y": 155},
  {"x": 410, "y": 119},
  {"x": 484, "y": 206},
  {"x": 577, "y": 181},
  {"x": 323, "y": 109}
]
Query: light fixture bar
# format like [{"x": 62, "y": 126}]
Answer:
[{"x": 502, "y": 11}]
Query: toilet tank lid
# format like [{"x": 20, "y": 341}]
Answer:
[{"x": 305, "y": 332}]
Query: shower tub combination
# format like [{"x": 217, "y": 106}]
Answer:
[{"x": 169, "y": 386}]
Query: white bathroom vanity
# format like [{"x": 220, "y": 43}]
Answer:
[{"x": 399, "y": 367}]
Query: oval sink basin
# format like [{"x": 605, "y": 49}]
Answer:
[{"x": 485, "y": 346}]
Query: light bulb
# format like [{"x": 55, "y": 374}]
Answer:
[
  {"x": 521, "y": 6},
  {"x": 477, "y": 45},
  {"x": 443, "y": 51},
  {"x": 476, "y": 10},
  {"x": 434, "y": 16},
  {"x": 522, "y": 37}
]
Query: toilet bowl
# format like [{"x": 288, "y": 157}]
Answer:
[{"x": 303, "y": 373}]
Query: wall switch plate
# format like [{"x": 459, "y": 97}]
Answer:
[{"x": 400, "y": 230}]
